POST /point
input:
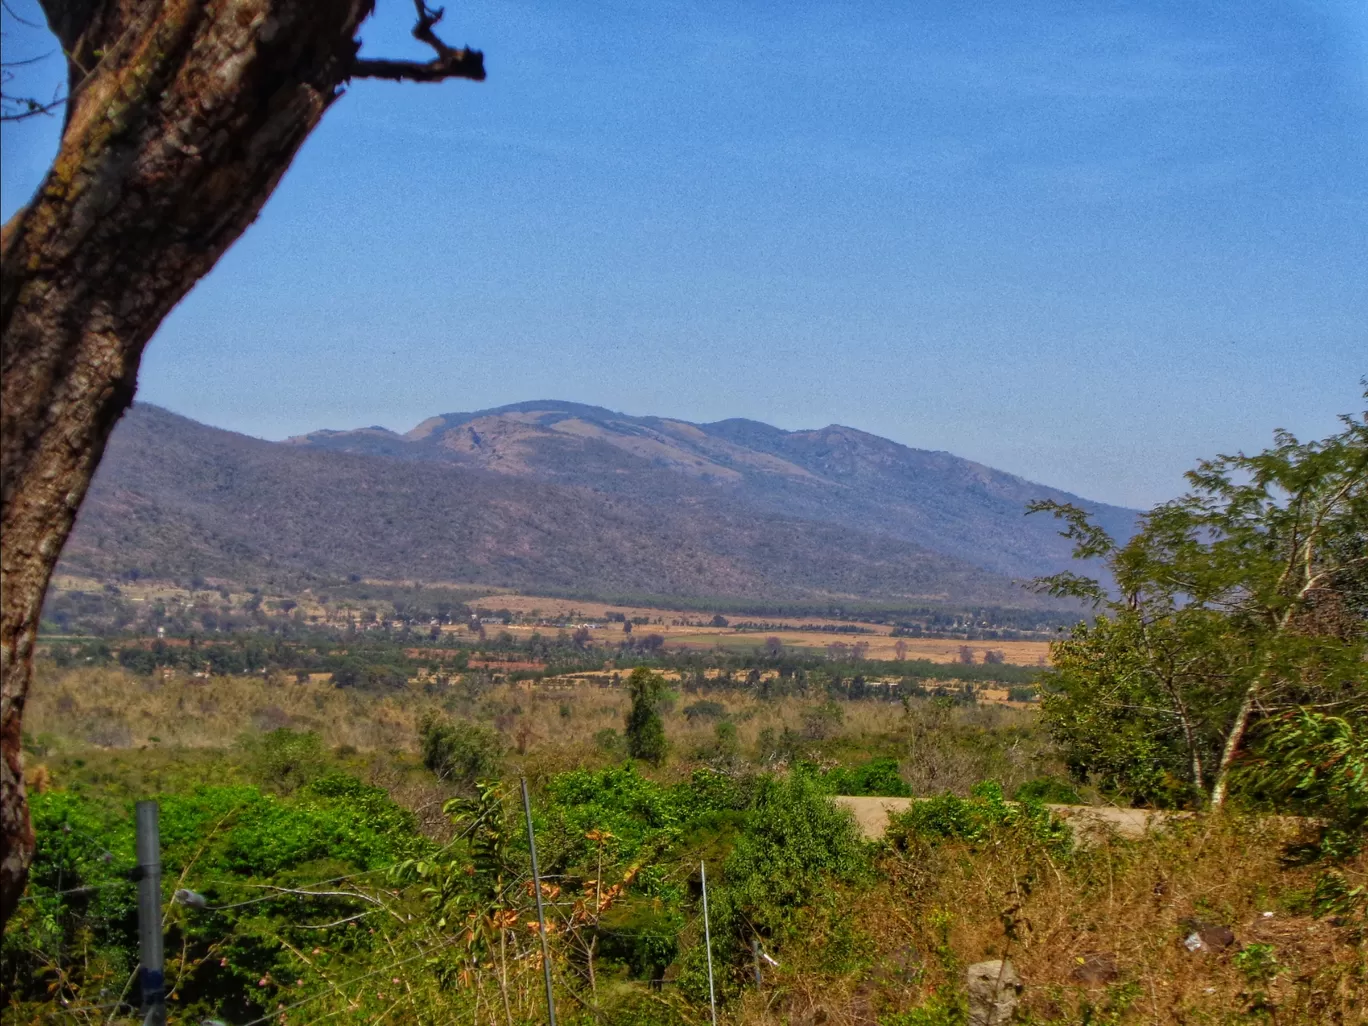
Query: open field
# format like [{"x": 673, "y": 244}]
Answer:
[
  {"x": 375, "y": 605},
  {"x": 691, "y": 630}
]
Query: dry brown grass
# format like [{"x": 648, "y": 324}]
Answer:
[
  {"x": 938, "y": 749},
  {"x": 1123, "y": 908}
]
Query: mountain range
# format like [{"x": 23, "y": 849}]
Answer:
[{"x": 564, "y": 496}]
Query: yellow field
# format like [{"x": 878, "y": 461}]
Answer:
[{"x": 795, "y": 632}]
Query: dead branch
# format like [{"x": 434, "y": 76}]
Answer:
[{"x": 450, "y": 61}]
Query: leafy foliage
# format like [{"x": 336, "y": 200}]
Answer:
[
  {"x": 875, "y": 777},
  {"x": 1244, "y": 597},
  {"x": 461, "y": 752},
  {"x": 795, "y": 838},
  {"x": 983, "y": 816},
  {"x": 645, "y": 729},
  {"x": 246, "y": 851},
  {"x": 1317, "y": 764}
]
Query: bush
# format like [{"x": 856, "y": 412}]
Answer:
[
  {"x": 610, "y": 742},
  {"x": 285, "y": 759},
  {"x": 823, "y": 721},
  {"x": 978, "y": 819},
  {"x": 794, "y": 839},
  {"x": 1050, "y": 790},
  {"x": 1317, "y": 765},
  {"x": 876, "y": 777},
  {"x": 705, "y": 710},
  {"x": 461, "y": 752},
  {"x": 645, "y": 728}
]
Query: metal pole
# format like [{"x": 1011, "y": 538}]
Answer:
[
  {"x": 150, "y": 915},
  {"x": 541, "y": 916},
  {"x": 707, "y": 941},
  {"x": 755, "y": 954}
]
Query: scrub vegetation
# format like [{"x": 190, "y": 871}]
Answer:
[{"x": 343, "y": 835}]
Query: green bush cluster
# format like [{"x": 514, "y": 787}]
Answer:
[
  {"x": 460, "y": 751},
  {"x": 978, "y": 819},
  {"x": 232, "y": 844},
  {"x": 875, "y": 777}
]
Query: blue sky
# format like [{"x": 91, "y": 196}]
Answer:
[{"x": 1087, "y": 243}]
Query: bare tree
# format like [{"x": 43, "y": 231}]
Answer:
[{"x": 181, "y": 119}]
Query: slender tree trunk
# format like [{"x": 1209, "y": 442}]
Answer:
[
  {"x": 181, "y": 119},
  {"x": 1232, "y": 746},
  {"x": 503, "y": 974}
]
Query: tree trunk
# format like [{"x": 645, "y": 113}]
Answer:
[
  {"x": 182, "y": 117},
  {"x": 1232, "y": 746}
]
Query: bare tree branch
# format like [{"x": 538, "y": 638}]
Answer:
[
  {"x": 450, "y": 61},
  {"x": 22, "y": 21},
  {"x": 20, "y": 108}
]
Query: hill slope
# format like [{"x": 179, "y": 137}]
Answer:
[{"x": 558, "y": 495}]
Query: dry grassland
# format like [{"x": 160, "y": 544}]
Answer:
[
  {"x": 546, "y": 727},
  {"x": 1096, "y": 940}
]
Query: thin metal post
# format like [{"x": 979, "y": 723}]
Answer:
[
  {"x": 151, "y": 969},
  {"x": 541, "y": 916},
  {"x": 755, "y": 954},
  {"x": 707, "y": 941}
]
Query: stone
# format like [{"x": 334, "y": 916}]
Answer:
[
  {"x": 994, "y": 988},
  {"x": 1207, "y": 936}
]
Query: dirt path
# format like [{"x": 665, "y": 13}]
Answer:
[{"x": 872, "y": 815}]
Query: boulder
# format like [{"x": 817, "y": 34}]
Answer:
[{"x": 994, "y": 988}]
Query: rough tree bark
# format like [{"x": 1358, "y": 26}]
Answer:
[{"x": 182, "y": 117}]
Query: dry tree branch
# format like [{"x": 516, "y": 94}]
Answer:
[{"x": 450, "y": 62}]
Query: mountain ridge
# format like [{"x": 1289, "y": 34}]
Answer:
[
  {"x": 558, "y": 494},
  {"x": 884, "y": 486}
]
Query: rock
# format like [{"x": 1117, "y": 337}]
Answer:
[
  {"x": 1207, "y": 936},
  {"x": 1217, "y": 938},
  {"x": 1096, "y": 967},
  {"x": 994, "y": 988}
]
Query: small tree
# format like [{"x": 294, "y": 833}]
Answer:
[
  {"x": 966, "y": 655},
  {"x": 645, "y": 728},
  {"x": 461, "y": 753},
  {"x": 1242, "y": 600}
]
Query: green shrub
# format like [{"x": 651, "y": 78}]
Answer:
[
  {"x": 461, "y": 752},
  {"x": 876, "y": 777},
  {"x": 1050, "y": 790},
  {"x": 1317, "y": 765},
  {"x": 645, "y": 728},
  {"x": 795, "y": 839},
  {"x": 284, "y": 759},
  {"x": 946, "y": 1007},
  {"x": 977, "y": 819},
  {"x": 610, "y": 742},
  {"x": 704, "y": 709}
]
